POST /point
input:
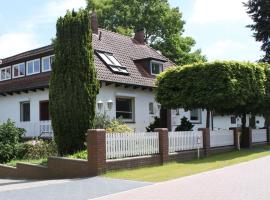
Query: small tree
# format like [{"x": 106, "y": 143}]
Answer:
[
  {"x": 73, "y": 85},
  {"x": 224, "y": 87},
  {"x": 185, "y": 125}
]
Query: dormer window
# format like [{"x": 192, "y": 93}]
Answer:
[
  {"x": 47, "y": 63},
  {"x": 156, "y": 67},
  {"x": 5, "y": 73},
  {"x": 112, "y": 62}
]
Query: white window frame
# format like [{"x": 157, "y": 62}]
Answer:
[
  {"x": 17, "y": 65},
  {"x": 199, "y": 121},
  {"x": 160, "y": 67},
  {"x": 42, "y": 63},
  {"x": 5, "y": 69},
  {"x": 133, "y": 108},
  {"x": 151, "y": 108},
  {"x": 27, "y": 73}
]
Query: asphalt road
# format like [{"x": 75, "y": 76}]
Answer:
[
  {"x": 78, "y": 189},
  {"x": 245, "y": 181}
]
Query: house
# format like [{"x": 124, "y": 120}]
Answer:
[{"x": 126, "y": 68}]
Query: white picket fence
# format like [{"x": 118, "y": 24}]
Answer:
[
  {"x": 121, "y": 145},
  {"x": 219, "y": 138},
  {"x": 185, "y": 140},
  {"x": 259, "y": 135}
]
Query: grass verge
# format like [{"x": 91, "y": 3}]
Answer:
[
  {"x": 174, "y": 170},
  {"x": 42, "y": 161}
]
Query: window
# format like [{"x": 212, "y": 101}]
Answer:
[
  {"x": 44, "y": 114},
  {"x": 19, "y": 70},
  {"x": 25, "y": 111},
  {"x": 47, "y": 63},
  {"x": 112, "y": 62},
  {"x": 124, "y": 109},
  {"x": 156, "y": 67},
  {"x": 5, "y": 73},
  {"x": 33, "y": 67},
  {"x": 233, "y": 120},
  {"x": 195, "y": 115},
  {"x": 151, "y": 108}
]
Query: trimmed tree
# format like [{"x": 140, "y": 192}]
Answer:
[
  {"x": 224, "y": 87},
  {"x": 73, "y": 84}
]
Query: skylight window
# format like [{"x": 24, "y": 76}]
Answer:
[{"x": 112, "y": 62}]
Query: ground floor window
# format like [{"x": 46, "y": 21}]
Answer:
[
  {"x": 233, "y": 120},
  {"x": 125, "y": 109},
  {"x": 25, "y": 111},
  {"x": 44, "y": 113},
  {"x": 195, "y": 115},
  {"x": 151, "y": 108}
]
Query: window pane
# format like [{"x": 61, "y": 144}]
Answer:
[
  {"x": 151, "y": 108},
  {"x": 22, "y": 69},
  {"x": 8, "y": 73},
  {"x": 16, "y": 71},
  {"x": 155, "y": 68},
  {"x": 46, "y": 64},
  {"x": 3, "y": 74},
  {"x": 114, "y": 61},
  {"x": 233, "y": 120},
  {"x": 36, "y": 66},
  {"x": 195, "y": 115},
  {"x": 104, "y": 57},
  {"x": 25, "y": 111},
  {"x": 124, "y": 105},
  {"x": 44, "y": 111},
  {"x": 30, "y": 67},
  {"x": 123, "y": 115}
]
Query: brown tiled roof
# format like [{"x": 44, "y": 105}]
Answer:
[{"x": 125, "y": 49}]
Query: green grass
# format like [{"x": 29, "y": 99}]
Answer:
[
  {"x": 179, "y": 169},
  {"x": 42, "y": 161}
]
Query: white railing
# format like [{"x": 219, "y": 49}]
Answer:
[
  {"x": 36, "y": 129},
  {"x": 185, "y": 140},
  {"x": 219, "y": 138},
  {"x": 259, "y": 135},
  {"x": 122, "y": 145}
]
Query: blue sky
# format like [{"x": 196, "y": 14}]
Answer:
[{"x": 218, "y": 26}]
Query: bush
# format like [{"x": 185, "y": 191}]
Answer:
[
  {"x": 185, "y": 125},
  {"x": 37, "y": 149},
  {"x": 79, "y": 155},
  {"x": 102, "y": 121},
  {"x": 154, "y": 125},
  {"x": 10, "y": 136},
  {"x": 117, "y": 126}
]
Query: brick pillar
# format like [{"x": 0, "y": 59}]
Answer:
[
  {"x": 206, "y": 140},
  {"x": 268, "y": 135},
  {"x": 246, "y": 138},
  {"x": 96, "y": 149},
  {"x": 236, "y": 137},
  {"x": 163, "y": 144}
]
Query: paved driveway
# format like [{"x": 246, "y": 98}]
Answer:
[
  {"x": 246, "y": 181},
  {"x": 79, "y": 189}
]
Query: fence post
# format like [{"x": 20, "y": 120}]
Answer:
[
  {"x": 163, "y": 144},
  {"x": 236, "y": 137},
  {"x": 96, "y": 149},
  {"x": 246, "y": 138},
  {"x": 206, "y": 140}
]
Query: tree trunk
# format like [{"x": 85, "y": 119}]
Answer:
[
  {"x": 252, "y": 121},
  {"x": 244, "y": 120},
  {"x": 207, "y": 118}
]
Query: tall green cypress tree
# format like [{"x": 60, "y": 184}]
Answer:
[{"x": 73, "y": 84}]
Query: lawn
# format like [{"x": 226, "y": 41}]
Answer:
[
  {"x": 42, "y": 161},
  {"x": 174, "y": 170}
]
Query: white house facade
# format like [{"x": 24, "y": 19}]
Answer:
[{"x": 126, "y": 68}]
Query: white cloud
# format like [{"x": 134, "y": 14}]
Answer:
[
  {"x": 206, "y": 11},
  {"x": 13, "y": 43}
]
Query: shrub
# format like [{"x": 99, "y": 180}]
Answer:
[
  {"x": 79, "y": 155},
  {"x": 10, "y": 137},
  {"x": 155, "y": 124},
  {"x": 102, "y": 121},
  {"x": 185, "y": 125},
  {"x": 36, "y": 149},
  {"x": 117, "y": 126}
]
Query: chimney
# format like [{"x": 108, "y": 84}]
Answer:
[
  {"x": 94, "y": 23},
  {"x": 139, "y": 36}
]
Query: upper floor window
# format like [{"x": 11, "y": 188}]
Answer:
[
  {"x": 112, "y": 62},
  {"x": 5, "y": 73},
  {"x": 18, "y": 70},
  {"x": 47, "y": 63},
  {"x": 156, "y": 67},
  {"x": 33, "y": 67},
  {"x": 195, "y": 115}
]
